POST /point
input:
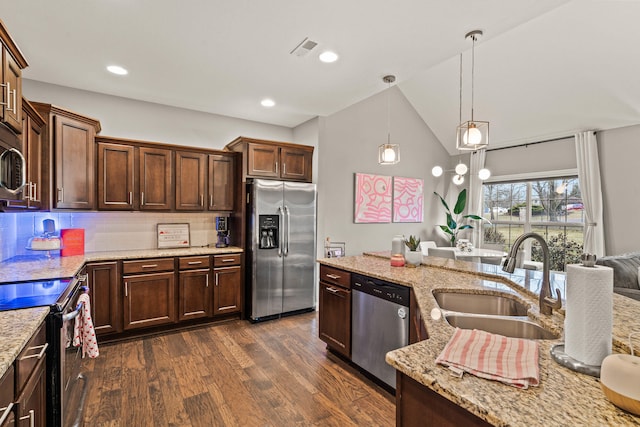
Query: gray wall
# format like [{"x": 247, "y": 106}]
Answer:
[
  {"x": 349, "y": 141},
  {"x": 619, "y": 151},
  {"x": 128, "y": 118}
]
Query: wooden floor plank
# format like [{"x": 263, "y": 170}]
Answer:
[{"x": 274, "y": 373}]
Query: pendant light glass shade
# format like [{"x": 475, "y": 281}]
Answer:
[{"x": 388, "y": 154}]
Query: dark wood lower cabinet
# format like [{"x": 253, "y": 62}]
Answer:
[
  {"x": 7, "y": 395},
  {"x": 32, "y": 402},
  {"x": 417, "y": 405},
  {"x": 227, "y": 294},
  {"x": 149, "y": 300},
  {"x": 103, "y": 290},
  {"x": 194, "y": 294},
  {"x": 335, "y": 317}
]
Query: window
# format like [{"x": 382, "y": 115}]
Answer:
[{"x": 550, "y": 207}]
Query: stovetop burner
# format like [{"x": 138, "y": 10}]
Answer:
[{"x": 14, "y": 296}]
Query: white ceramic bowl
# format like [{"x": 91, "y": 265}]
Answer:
[{"x": 620, "y": 380}]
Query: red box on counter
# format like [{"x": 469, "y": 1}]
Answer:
[{"x": 72, "y": 241}]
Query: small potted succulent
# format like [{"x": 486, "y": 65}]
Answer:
[{"x": 414, "y": 254}]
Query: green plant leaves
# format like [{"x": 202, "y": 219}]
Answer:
[{"x": 461, "y": 202}]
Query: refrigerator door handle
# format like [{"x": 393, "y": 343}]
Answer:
[
  {"x": 281, "y": 243},
  {"x": 288, "y": 215}
]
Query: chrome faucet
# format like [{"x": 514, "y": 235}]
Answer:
[{"x": 547, "y": 304}]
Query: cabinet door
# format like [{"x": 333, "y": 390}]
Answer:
[
  {"x": 221, "y": 182},
  {"x": 190, "y": 180},
  {"x": 74, "y": 164},
  {"x": 195, "y": 294},
  {"x": 103, "y": 291},
  {"x": 227, "y": 295},
  {"x": 296, "y": 164},
  {"x": 155, "y": 177},
  {"x": 263, "y": 160},
  {"x": 7, "y": 397},
  {"x": 115, "y": 176},
  {"x": 33, "y": 150},
  {"x": 32, "y": 403},
  {"x": 149, "y": 300},
  {"x": 12, "y": 94},
  {"x": 335, "y": 318}
]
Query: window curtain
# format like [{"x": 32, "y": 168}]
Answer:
[
  {"x": 475, "y": 194},
  {"x": 589, "y": 178}
]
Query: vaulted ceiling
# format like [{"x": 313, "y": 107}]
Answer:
[{"x": 544, "y": 68}]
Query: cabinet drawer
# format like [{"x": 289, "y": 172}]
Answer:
[
  {"x": 190, "y": 262},
  {"x": 147, "y": 265},
  {"x": 29, "y": 357},
  {"x": 226, "y": 260},
  {"x": 335, "y": 276}
]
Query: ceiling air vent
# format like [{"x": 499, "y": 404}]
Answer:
[{"x": 304, "y": 47}]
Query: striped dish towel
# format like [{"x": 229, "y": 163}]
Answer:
[{"x": 513, "y": 361}]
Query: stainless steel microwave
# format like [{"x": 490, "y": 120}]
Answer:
[{"x": 13, "y": 168}]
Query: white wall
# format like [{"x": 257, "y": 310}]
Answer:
[
  {"x": 619, "y": 151},
  {"x": 348, "y": 144},
  {"x": 128, "y": 118}
]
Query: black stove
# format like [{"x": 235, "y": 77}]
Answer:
[{"x": 18, "y": 295}]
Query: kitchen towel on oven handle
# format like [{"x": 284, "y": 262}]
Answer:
[{"x": 84, "y": 334}]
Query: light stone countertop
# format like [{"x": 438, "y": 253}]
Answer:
[
  {"x": 17, "y": 326},
  {"x": 563, "y": 397}
]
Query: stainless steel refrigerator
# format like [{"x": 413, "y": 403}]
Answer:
[{"x": 281, "y": 248}]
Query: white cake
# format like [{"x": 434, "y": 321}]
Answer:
[{"x": 45, "y": 243}]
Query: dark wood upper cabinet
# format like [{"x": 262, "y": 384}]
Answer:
[
  {"x": 116, "y": 176},
  {"x": 35, "y": 194},
  {"x": 221, "y": 182},
  {"x": 263, "y": 160},
  {"x": 71, "y": 140},
  {"x": 10, "y": 81},
  {"x": 156, "y": 178},
  {"x": 273, "y": 160},
  {"x": 191, "y": 173},
  {"x": 296, "y": 163}
]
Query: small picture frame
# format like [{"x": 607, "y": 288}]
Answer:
[{"x": 173, "y": 236}]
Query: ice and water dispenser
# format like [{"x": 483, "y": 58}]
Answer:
[{"x": 269, "y": 231}]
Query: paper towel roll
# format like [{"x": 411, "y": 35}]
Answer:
[{"x": 589, "y": 313}]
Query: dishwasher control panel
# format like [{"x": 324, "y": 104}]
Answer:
[{"x": 381, "y": 289}]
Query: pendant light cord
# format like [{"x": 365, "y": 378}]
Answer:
[
  {"x": 473, "y": 66},
  {"x": 388, "y": 113},
  {"x": 460, "y": 113}
]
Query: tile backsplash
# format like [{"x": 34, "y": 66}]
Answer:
[{"x": 104, "y": 231}]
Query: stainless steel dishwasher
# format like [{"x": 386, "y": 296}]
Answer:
[{"x": 380, "y": 323}]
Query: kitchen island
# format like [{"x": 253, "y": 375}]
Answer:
[{"x": 563, "y": 397}]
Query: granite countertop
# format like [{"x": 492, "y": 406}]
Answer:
[
  {"x": 563, "y": 397},
  {"x": 17, "y": 326}
]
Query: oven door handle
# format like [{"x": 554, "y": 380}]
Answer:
[{"x": 72, "y": 315}]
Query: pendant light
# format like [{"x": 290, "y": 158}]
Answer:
[
  {"x": 388, "y": 154},
  {"x": 461, "y": 168},
  {"x": 473, "y": 134}
]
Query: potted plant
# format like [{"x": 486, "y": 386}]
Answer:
[
  {"x": 414, "y": 255},
  {"x": 455, "y": 219}
]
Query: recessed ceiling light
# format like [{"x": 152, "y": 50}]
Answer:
[
  {"x": 116, "y": 69},
  {"x": 328, "y": 57},
  {"x": 267, "y": 102}
]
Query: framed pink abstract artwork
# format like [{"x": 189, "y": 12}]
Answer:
[
  {"x": 372, "y": 202},
  {"x": 408, "y": 199}
]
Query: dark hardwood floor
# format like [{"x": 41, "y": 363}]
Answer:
[{"x": 275, "y": 373}]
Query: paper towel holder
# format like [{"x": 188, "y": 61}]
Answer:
[{"x": 558, "y": 354}]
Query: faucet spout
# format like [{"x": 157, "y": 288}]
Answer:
[{"x": 547, "y": 303}]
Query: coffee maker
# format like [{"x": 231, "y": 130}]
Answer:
[{"x": 222, "y": 228}]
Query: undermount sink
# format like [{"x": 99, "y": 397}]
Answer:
[
  {"x": 508, "y": 327},
  {"x": 479, "y": 303}
]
